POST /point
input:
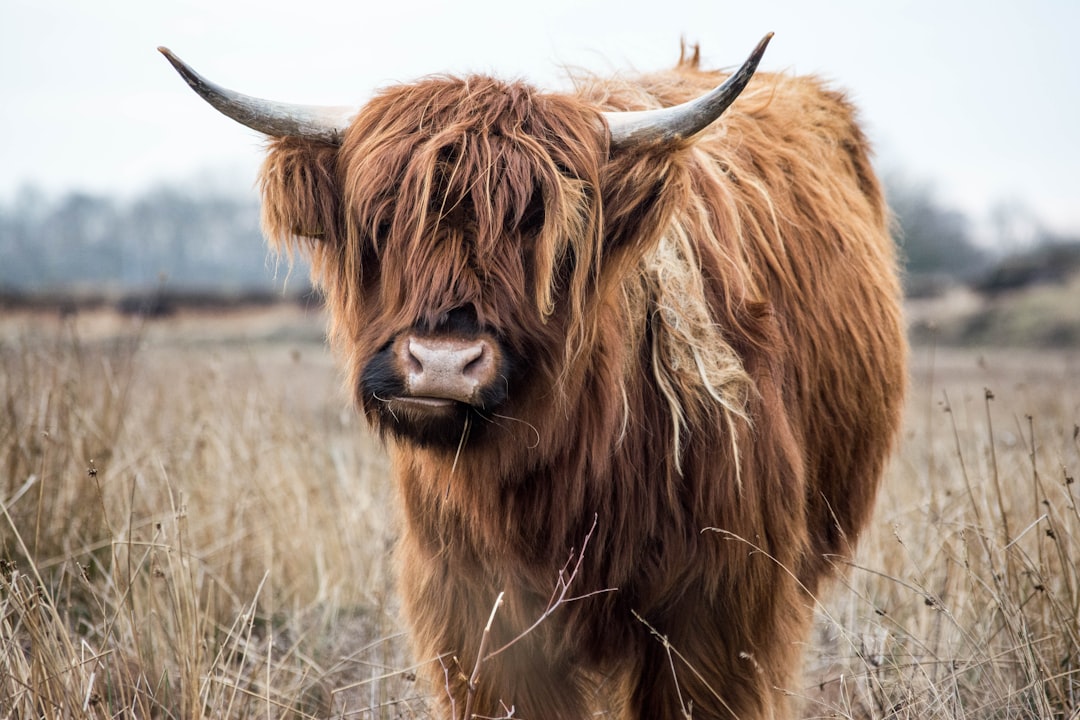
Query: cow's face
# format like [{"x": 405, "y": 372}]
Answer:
[
  {"x": 457, "y": 233},
  {"x": 470, "y": 235}
]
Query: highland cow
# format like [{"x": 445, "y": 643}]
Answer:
[{"x": 611, "y": 316}]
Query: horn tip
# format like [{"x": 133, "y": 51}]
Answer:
[
  {"x": 172, "y": 58},
  {"x": 192, "y": 78}
]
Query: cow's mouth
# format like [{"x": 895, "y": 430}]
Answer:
[
  {"x": 422, "y": 402},
  {"x": 430, "y": 421}
]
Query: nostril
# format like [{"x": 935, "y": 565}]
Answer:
[
  {"x": 470, "y": 355},
  {"x": 413, "y": 363},
  {"x": 476, "y": 366}
]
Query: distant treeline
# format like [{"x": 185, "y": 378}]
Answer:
[
  {"x": 159, "y": 302},
  {"x": 190, "y": 245},
  {"x": 169, "y": 238},
  {"x": 939, "y": 248}
]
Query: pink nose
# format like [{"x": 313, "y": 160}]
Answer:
[{"x": 447, "y": 368}]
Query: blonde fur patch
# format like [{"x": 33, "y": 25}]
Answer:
[{"x": 693, "y": 364}]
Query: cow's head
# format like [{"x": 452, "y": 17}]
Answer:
[{"x": 465, "y": 233}]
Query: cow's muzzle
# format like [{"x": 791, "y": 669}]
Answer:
[
  {"x": 430, "y": 387},
  {"x": 441, "y": 370}
]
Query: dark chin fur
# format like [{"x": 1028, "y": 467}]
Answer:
[{"x": 442, "y": 429}]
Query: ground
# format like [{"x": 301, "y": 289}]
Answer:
[{"x": 197, "y": 523}]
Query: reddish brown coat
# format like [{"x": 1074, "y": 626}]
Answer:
[{"x": 715, "y": 374}]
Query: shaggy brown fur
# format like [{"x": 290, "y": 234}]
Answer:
[{"x": 709, "y": 336}]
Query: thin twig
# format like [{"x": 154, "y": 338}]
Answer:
[
  {"x": 559, "y": 594},
  {"x": 470, "y": 694}
]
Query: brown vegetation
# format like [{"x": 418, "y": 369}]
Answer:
[
  {"x": 184, "y": 531},
  {"x": 1044, "y": 315},
  {"x": 205, "y": 531}
]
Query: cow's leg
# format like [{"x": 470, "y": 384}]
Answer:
[
  {"x": 521, "y": 682},
  {"x": 448, "y": 612},
  {"x": 525, "y": 687},
  {"x": 704, "y": 662}
]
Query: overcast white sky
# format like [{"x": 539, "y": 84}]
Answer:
[{"x": 980, "y": 98}]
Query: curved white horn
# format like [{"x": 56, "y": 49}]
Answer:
[
  {"x": 318, "y": 122},
  {"x": 685, "y": 120}
]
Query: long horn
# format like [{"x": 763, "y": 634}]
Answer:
[
  {"x": 685, "y": 120},
  {"x": 318, "y": 122}
]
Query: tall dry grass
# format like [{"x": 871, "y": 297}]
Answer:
[
  {"x": 204, "y": 530},
  {"x": 964, "y": 599},
  {"x": 189, "y": 532}
]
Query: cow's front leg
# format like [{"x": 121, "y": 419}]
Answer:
[{"x": 478, "y": 658}]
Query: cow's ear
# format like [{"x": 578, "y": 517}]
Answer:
[
  {"x": 639, "y": 189},
  {"x": 300, "y": 192}
]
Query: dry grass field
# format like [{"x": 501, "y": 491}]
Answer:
[{"x": 196, "y": 525}]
